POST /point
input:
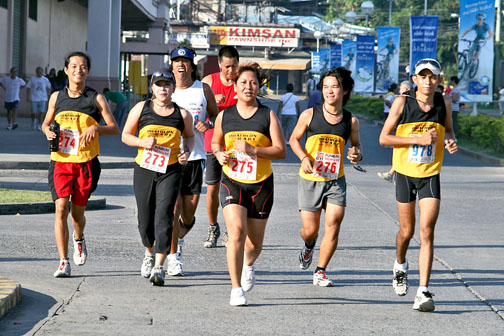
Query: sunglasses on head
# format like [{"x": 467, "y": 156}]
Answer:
[
  {"x": 163, "y": 74},
  {"x": 428, "y": 61}
]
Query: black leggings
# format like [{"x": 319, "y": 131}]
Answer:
[{"x": 155, "y": 195}]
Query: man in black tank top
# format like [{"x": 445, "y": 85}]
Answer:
[
  {"x": 424, "y": 129},
  {"x": 74, "y": 169}
]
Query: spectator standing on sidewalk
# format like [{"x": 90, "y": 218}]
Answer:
[
  {"x": 39, "y": 89},
  {"x": 118, "y": 98},
  {"x": 455, "y": 99},
  {"x": 222, "y": 85},
  {"x": 12, "y": 84},
  {"x": 289, "y": 111},
  {"x": 501, "y": 101},
  {"x": 74, "y": 168}
]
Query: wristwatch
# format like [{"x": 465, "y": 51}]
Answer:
[{"x": 210, "y": 124}]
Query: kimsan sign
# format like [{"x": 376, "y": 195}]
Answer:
[{"x": 254, "y": 36}]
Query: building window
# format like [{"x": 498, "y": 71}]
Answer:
[
  {"x": 3, "y": 3},
  {"x": 32, "y": 10}
]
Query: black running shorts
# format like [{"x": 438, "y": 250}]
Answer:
[
  {"x": 407, "y": 188},
  {"x": 257, "y": 198}
]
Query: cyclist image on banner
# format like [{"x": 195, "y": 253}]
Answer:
[
  {"x": 348, "y": 52},
  {"x": 387, "y": 58},
  {"x": 475, "y": 51}
]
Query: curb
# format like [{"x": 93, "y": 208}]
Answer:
[
  {"x": 10, "y": 295},
  {"x": 44, "y": 207},
  {"x": 34, "y": 165},
  {"x": 466, "y": 151}
]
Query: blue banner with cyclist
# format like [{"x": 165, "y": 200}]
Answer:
[
  {"x": 423, "y": 38},
  {"x": 321, "y": 61},
  {"x": 387, "y": 58},
  {"x": 475, "y": 55},
  {"x": 335, "y": 55},
  {"x": 364, "y": 65},
  {"x": 348, "y": 52}
]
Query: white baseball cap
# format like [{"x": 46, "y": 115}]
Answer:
[{"x": 428, "y": 63}]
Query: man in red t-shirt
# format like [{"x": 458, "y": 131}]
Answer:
[{"x": 222, "y": 84}]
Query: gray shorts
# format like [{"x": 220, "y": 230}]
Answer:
[{"x": 312, "y": 196}]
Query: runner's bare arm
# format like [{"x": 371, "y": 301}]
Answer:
[
  {"x": 218, "y": 144},
  {"x": 130, "y": 127},
  {"x": 355, "y": 152},
  {"x": 450, "y": 144},
  {"x": 296, "y": 136},
  {"x": 49, "y": 117}
]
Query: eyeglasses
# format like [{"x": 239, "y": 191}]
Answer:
[{"x": 430, "y": 61}]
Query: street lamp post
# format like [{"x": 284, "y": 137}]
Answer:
[
  {"x": 318, "y": 35},
  {"x": 367, "y": 8}
]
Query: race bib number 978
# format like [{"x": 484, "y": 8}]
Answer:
[
  {"x": 156, "y": 159},
  {"x": 421, "y": 154}
]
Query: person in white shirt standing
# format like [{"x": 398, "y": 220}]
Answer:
[
  {"x": 12, "y": 84},
  {"x": 289, "y": 111},
  {"x": 501, "y": 101},
  {"x": 455, "y": 98},
  {"x": 39, "y": 88}
]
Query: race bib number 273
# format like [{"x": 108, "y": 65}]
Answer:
[{"x": 156, "y": 159}]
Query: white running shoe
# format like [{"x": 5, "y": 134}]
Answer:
[
  {"x": 147, "y": 265},
  {"x": 80, "y": 251},
  {"x": 238, "y": 297},
  {"x": 386, "y": 176},
  {"x": 424, "y": 302},
  {"x": 400, "y": 282},
  {"x": 157, "y": 276},
  {"x": 225, "y": 238},
  {"x": 63, "y": 270},
  {"x": 248, "y": 278},
  {"x": 320, "y": 279},
  {"x": 305, "y": 257},
  {"x": 174, "y": 265}
]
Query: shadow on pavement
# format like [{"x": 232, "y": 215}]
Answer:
[{"x": 33, "y": 308}]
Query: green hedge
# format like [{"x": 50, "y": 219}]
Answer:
[
  {"x": 368, "y": 106},
  {"x": 482, "y": 132}
]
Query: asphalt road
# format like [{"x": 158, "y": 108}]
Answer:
[{"x": 108, "y": 296}]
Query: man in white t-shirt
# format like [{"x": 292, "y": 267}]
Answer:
[
  {"x": 289, "y": 111},
  {"x": 389, "y": 99},
  {"x": 39, "y": 89},
  {"x": 12, "y": 84},
  {"x": 455, "y": 98},
  {"x": 501, "y": 101}
]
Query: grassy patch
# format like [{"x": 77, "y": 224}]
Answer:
[{"x": 24, "y": 196}]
